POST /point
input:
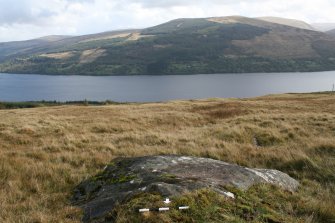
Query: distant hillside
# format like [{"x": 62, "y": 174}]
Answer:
[
  {"x": 323, "y": 27},
  {"x": 331, "y": 32},
  {"x": 18, "y": 49},
  {"x": 184, "y": 46},
  {"x": 11, "y": 49},
  {"x": 288, "y": 22}
]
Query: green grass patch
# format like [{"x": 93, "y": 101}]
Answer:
[{"x": 261, "y": 203}]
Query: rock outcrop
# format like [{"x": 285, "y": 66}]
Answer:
[{"x": 169, "y": 176}]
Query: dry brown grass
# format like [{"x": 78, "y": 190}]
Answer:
[
  {"x": 89, "y": 56},
  {"x": 137, "y": 36},
  {"x": 107, "y": 37},
  {"x": 63, "y": 55},
  {"x": 45, "y": 152}
]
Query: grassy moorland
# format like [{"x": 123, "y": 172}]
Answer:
[{"x": 46, "y": 151}]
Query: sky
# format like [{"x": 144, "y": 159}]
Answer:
[{"x": 27, "y": 19}]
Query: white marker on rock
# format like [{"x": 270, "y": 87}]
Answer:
[
  {"x": 229, "y": 194},
  {"x": 163, "y": 209},
  {"x": 167, "y": 201},
  {"x": 144, "y": 210},
  {"x": 184, "y": 207}
]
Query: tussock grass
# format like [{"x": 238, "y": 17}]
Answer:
[
  {"x": 261, "y": 203},
  {"x": 46, "y": 151}
]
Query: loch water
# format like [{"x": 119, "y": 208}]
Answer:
[{"x": 145, "y": 88}]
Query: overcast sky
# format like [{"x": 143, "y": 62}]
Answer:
[{"x": 26, "y": 19}]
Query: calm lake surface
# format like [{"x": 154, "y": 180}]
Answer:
[{"x": 15, "y": 87}]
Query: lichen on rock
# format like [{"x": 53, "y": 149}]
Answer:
[{"x": 168, "y": 176}]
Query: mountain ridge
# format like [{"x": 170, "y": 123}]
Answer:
[
  {"x": 323, "y": 27},
  {"x": 288, "y": 22},
  {"x": 331, "y": 32},
  {"x": 232, "y": 44}
]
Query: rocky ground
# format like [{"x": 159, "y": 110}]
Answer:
[{"x": 168, "y": 176}]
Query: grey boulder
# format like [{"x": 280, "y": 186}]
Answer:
[{"x": 169, "y": 176}]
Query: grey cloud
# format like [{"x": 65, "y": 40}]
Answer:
[
  {"x": 80, "y": 1},
  {"x": 162, "y": 4},
  {"x": 172, "y": 3},
  {"x": 28, "y": 18},
  {"x": 32, "y": 11},
  {"x": 21, "y": 12}
]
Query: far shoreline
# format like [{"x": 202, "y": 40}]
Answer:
[
  {"x": 7, "y": 105},
  {"x": 155, "y": 75}
]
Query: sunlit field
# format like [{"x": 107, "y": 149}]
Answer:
[{"x": 45, "y": 152}]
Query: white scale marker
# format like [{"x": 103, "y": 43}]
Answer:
[
  {"x": 163, "y": 209},
  {"x": 184, "y": 208},
  {"x": 144, "y": 210},
  {"x": 166, "y": 201}
]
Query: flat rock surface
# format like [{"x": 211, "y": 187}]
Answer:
[{"x": 169, "y": 176}]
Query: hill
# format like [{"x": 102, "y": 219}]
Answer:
[
  {"x": 23, "y": 49},
  {"x": 331, "y": 32},
  {"x": 288, "y": 22},
  {"x": 184, "y": 46},
  {"x": 323, "y": 27},
  {"x": 46, "y": 152},
  {"x": 12, "y": 49}
]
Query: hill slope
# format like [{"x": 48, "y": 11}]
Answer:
[
  {"x": 288, "y": 22},
  {"x": 54, "y": 44},
  {"x": 324, "y": 27},
  {"x": 183, "y": 46},
  {"x": 331, "y": 32},
  {"x": 12, "y": 49}
]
